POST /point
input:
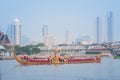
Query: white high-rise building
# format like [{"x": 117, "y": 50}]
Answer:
[
  {"x": 50, "y": 40},
  {"x": 14, "y": 32},
  {"x": 69, "y": 37}
]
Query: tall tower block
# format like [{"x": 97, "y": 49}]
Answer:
[{"x": 110, "y": 27}]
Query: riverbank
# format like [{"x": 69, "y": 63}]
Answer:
[{"x": 6, "y": 58}]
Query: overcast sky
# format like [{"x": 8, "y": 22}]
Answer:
[{"x": 77, "y": 16}]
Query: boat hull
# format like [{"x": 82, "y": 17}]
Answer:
[{"x": 69, "y": 61}]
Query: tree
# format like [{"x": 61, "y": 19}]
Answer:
[
  {"x": 36, "y": 50},
  {"x": 29, "y": 49}
]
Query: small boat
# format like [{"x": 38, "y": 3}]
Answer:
[{"x": 55, "y": 59}]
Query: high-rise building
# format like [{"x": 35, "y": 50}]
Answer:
[
  {"x": 45, "y": 30},
  {"x": 14, "y": 32},
  {"x": 69, "y": 37},
  {"x": 50, "y": 40},
  {"x": 98, "y": 30},
  {"x": 110, "y": 27}
]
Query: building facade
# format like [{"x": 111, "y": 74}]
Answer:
[
  {"x": 98, "y": 30},
  {"x": 69, "y": 37},
  {"x": 45, "y": 30},
  {"x": 110, "y": 27},
  {"x": 14, "y": 32},
  {"x": 64, "y": 49},
  {"x": 85, "y": 40},
  {"x": 49, "y": 40}
]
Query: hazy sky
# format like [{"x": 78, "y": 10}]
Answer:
[{"x": 77, "y": 16}]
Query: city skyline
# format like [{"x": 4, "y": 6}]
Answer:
[{"x": 74, "y": 15}]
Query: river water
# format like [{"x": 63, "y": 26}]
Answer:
[{"x": 108, "y": 69}]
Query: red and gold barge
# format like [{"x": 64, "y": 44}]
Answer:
[{"x": 55, "y": 59}]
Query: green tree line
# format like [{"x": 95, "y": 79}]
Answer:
[{"x": 28, "y": 49}]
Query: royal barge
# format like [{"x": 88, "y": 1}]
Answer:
[{"x": 56, "y": 59}]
